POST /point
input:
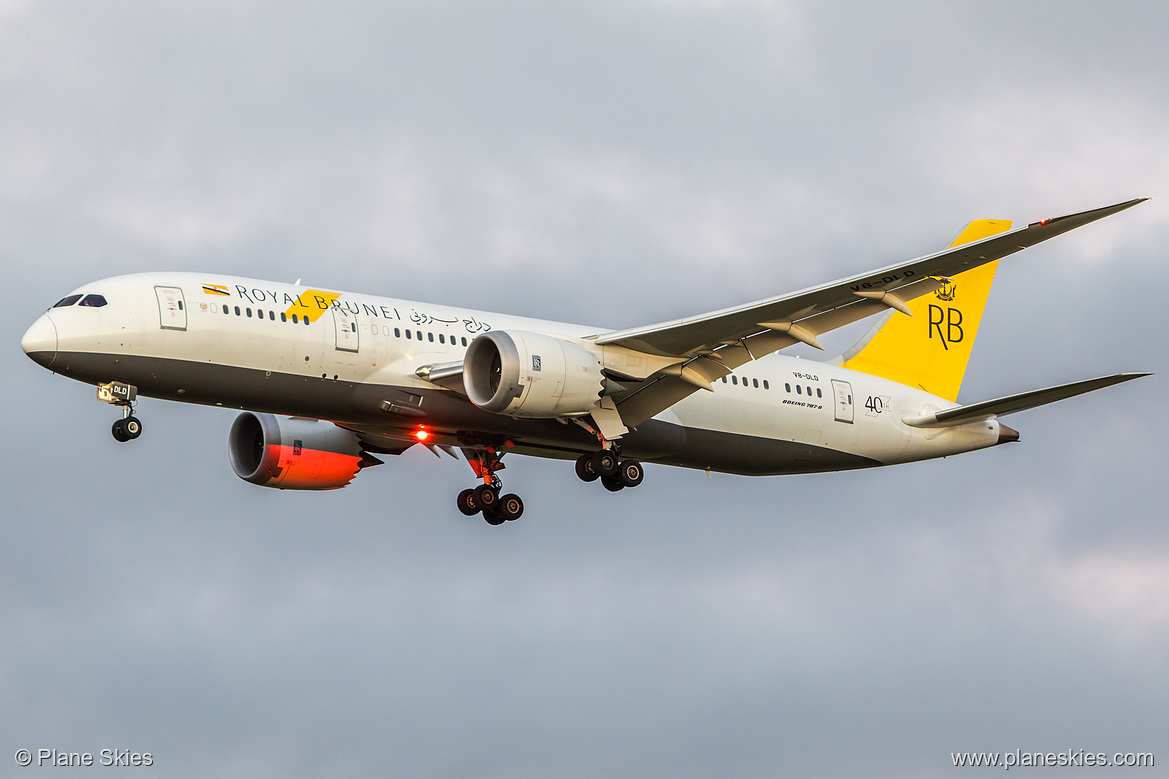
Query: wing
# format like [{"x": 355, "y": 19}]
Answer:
[
  {"x": 712, "y": 345},
  {"x": 810, "y": 308}
]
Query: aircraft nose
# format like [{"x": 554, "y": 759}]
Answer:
[{"x": 40, "y": 341}]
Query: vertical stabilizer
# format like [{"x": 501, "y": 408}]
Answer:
[{"x": 930, "y": 349}]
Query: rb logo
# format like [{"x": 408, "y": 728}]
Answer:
[{"x": 951, "y": 319}]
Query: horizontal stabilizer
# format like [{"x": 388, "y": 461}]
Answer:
[{"x": 1021, "y": 402}]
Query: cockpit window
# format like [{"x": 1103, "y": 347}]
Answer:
[
  {"x": 63, "y": 302},
  {"x": 95, "y": 301}
]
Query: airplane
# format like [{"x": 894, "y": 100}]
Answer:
[{"x": 328, "y": 380}]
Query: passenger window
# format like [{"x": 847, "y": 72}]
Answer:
[
  {"x": 180, "y": 304},
  {"x": 755, "y": 383},
  {"x": 408, "y": 334},
  {"x": 306, "y": 320},
  {"x": 798, "y": 390},
  {"x": 809, "y": 392},
  {"x": 735, "y": 380},
  {"x": 430, "y": 337},
  {"x": 787, "y": 386},
  {"x": 397, "y": 333},
  {"x": 227, "y": 310},
  {"x": 237, "y": 310},
  {"x": 441, "y": 338},
  {"x": 819, "y": 394},
  {"x": 249, "y": 310},
  {"x": 294, "y": 320},
  {"x": 93, "y": 301},
  {"x": 63, "y": 302},
  {"x": 766, "y": 385},
  {"x": 283, "y": 317},
  {"x": 419, "y": 334},
  {"x": 464, "y": 340},
  {"x": 724, "y": 379}
]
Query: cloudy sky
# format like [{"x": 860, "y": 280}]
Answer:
[{"x": 615, "y": 163}]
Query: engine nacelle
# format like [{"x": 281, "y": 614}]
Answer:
[
  {"x": 293, "y": 453},
  {"x": 531, "y": 375}
]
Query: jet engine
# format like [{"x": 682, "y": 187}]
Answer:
[
  {"x": 531, "y": 375},
  {"x": 294, "y": 453}
]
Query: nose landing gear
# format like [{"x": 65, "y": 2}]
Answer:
[
  {"x": 485, "y": 499},
  {"x": 127, "y": 428},
  {"x": 116, "y": 393}
]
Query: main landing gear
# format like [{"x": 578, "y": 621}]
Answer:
[
  {"x": 615, "y": 474},
  {"x": 116, "y": 393},
  {"x": 485, "y": 499}
]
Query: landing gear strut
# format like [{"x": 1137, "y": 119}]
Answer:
[
  {"x": 485, "y": 499},
  {"x": 615, "y": 474},
  {"x": 116, "y": 393}
]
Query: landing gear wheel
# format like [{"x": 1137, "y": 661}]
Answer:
[
  {"x": 467, "y": 503},
  {"x": 612, "y": 483},
  {"x": 132, "y": 427},
  {"x": 511, "y": 507},
  {"x": 486, "y": 498},
  {"x": 584, "y": 468},
  {"x": 605, "y": 462},
  {"x": 119, "y": 431},
  {"x": 630, "y": 473}
]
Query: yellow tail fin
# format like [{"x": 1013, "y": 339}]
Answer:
[{"x": 930, "y": 349}]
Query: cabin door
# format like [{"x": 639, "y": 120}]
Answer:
[
  {"x": 172, "y": 309},
  {"x": 346, "y": 325},
  {"x": 842, "y": 391}
]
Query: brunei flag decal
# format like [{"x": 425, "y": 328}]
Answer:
[{"x": 216, "y": 289}]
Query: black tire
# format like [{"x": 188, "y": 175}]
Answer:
[
  {"x": 493, "y": 517},
  {"x": 631, "y": 473},
  {"x": 486, "y": 497},
  {"x": 584, "y": 468},
  {"x": 467, "y": 503},
  {"x": 132, "y": 427},
  {"x": 119, "y": 431},
  {"x": 612, "y": 483},
  {"x": 511, "y": 507},
  {"x": 605, "y": 462}
]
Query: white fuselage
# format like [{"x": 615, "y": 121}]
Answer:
[{"x": 233, "y": 342}]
